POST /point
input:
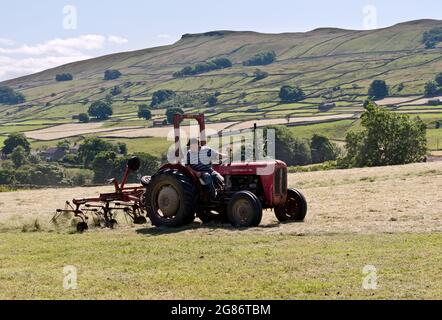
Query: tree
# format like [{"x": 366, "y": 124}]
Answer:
[
  {"x": 144, "y": 112},
  {"x": 432, "y": 37},
  {"x": 214, "y": 64},
  {"x": 46, "y": 175},
  {"x": 261, "y": 59},
  {"x": 64, "y": 77},
  {"x": 322, "y": 149},
  {"x": 104, "y": 166},
  {"x": 431, "y": 89},
  {"x": 149, "y": 165},
  {"x": 122, "y": 148},
  {"x": 18, "y": 156},
  {"x": 13, "y": 141},
  {"x": 64, "y": 145},
  {"x": 161, "y": 96},
  {"x": 115, "y": 91},
  {"x": 6, "y": 177},
  {"x": 90, "y": 147},
  {"x": 288, "y": 148},
  {"x": 171, "y": 112},
  {"x": 388, "y": 138},
  {"x": 439, "y": 79},
  {"x": 378, "y": 89},
  {"x": 83, "y": 118},
  {"x": 291, "y": 94},
  {"x": 112, "y": 74},
  {"x": 212, "y": 101},
  {"x": 100, "y": 110},
  {"x": 10, "y": 96}
]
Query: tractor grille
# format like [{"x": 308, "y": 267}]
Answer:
[{"x": 280, "y": 182}]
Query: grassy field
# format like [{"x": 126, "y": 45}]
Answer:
[
  {"x": 148, "y": 264},
  {"x": 389, "y": 218}
]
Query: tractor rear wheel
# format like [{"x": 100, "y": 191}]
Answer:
[
  {"x": 244, "y": 210},
  {"x": 295, "y": 208},
  {"x": 170, "y": 199}
]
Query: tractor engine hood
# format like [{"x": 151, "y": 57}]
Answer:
[{"x": 250, "y": 168}]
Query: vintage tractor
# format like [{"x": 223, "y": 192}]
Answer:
[{"x": 175, "y": 195}]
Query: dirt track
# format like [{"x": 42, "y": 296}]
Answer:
[{"x": 375, "y": 200}]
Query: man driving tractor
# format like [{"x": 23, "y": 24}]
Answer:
[{"x": 201, "y": 158}]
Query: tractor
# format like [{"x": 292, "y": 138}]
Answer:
[{"x": 176, "y": 194}]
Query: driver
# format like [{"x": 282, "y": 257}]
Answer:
[{"x": 201, "y": 158}]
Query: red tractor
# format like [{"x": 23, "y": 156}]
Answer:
[{"x": 175, "y": 195}]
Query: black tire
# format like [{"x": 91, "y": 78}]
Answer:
[
  {"x": 217, "y": 216},
  {"x": 295, "y": 209},
  {"x": 244, "y": 210},
  {"x": 82, "y": 227},
  {"x": 178, "y": 202}
]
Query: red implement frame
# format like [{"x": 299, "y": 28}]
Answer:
[{"x": 126, "y": 199}]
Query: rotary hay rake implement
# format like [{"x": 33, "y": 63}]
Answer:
[{"x": 103, "y": 209}]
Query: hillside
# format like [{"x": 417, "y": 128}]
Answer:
[{"x": 318, "y": 61}]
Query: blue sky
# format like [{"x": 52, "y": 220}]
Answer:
[{"x": 33, "y": 34}]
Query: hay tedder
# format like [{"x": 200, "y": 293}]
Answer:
[
  {"x": 176, "y": 194},
  {"x": 104, "y": 208}
]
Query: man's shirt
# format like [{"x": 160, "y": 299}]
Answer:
[{"x": 202, "y": 161}]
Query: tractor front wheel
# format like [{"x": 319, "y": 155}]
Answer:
[
  {"x": 244, "y": 210},
  {"x": 170, "y": 199},
  {"x": 295, "y": 208}
]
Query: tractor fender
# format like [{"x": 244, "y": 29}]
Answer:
[{"x": 183, "y": 169}]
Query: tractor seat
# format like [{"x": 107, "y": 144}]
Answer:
[{"x": 146, "y": 180}]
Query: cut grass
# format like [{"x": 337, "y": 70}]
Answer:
[{"x": 153, "y": 264}]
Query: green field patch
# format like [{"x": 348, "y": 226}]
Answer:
[
  {"x": 332, "y": 130},
  {"x": 154, "y": 146}
]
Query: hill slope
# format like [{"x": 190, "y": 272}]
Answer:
[{"x": 318, "y": 60}]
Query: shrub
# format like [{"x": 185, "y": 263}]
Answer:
[
  {"x": 115, "y": 91},
  {"x": 83, "y": 118}
]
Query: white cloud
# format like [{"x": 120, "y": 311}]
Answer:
[
  {"x": 164, "y": 36},
  {"x": 69, "y": 46},
  {"x": 52, "y": 53},
  {"x": 6, "y": 42},
  {"x": 117, "y": 40},
  {"x": 11, "y": 68}
]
